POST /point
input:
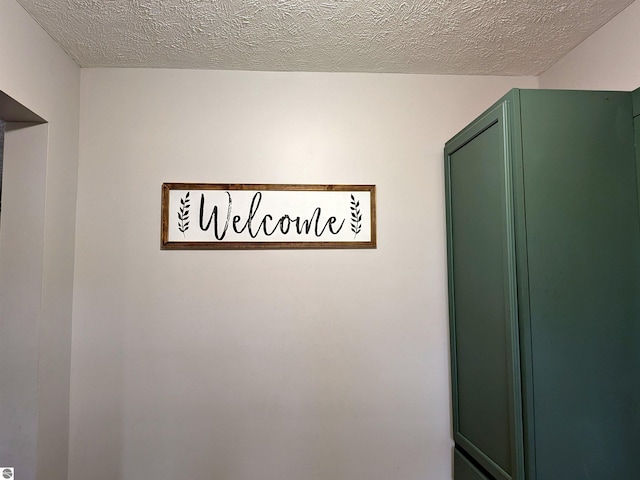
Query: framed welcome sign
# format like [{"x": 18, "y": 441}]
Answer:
[{"x": 252, "y": 216}]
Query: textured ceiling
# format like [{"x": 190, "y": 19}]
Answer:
[{"x": 501, "y": 37}]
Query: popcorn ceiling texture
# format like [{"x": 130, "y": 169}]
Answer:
[{"x": 497, "y": 37}]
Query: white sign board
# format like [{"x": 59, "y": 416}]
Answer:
[{"x": 227, "y": 216}]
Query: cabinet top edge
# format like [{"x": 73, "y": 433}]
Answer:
[{"x": 514, "y": 95}]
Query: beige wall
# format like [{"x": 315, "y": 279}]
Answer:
[
  {"x": 607, "y": 60},
  {"x": 263, "y": 364},
  {"x": 36, "y": 274}
]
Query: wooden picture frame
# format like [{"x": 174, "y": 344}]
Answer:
[{"x": 267, "y": 216}]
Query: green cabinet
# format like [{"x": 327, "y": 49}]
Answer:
[
  {"x": 636, "y": 125},
  {"x": 543, "y": 234},
  {"x": 465, "y": 470}
]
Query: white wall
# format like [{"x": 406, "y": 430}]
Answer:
[
  {"x": 37, "y": 309},
  {"x": 263, "y": 364},
  {"x": 607, "y": 60}
]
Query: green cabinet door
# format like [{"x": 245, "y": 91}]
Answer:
[{"x": 482, "y": 291}]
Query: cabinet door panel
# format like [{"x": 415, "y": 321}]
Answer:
[
  {"x": 464, "y": 470},
  {"x": 482, "y": 295}
]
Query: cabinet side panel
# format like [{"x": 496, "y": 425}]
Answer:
[
  {"x": 480, "y": 324},
  {"x": 584, "y": 276},
  {"x": 635, "y": 95},
  {"x": 636, "y": 128}
]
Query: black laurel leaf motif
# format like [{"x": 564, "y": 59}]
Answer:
[
  {"x": 183, "y": 214},
  {"x": 356, "y": 216}
]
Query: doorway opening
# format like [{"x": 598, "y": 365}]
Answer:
[{"x": 22, "y": 226}]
